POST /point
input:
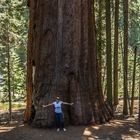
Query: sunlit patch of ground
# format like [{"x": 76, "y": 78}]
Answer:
[{"x": 127, "y": 129}]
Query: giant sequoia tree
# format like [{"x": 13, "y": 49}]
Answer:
[{"x": 62, "y": 49}]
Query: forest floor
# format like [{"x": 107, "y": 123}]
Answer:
[{"x": 117, "y": 129}]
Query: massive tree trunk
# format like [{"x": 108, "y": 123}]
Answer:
[{"x": 64, "y": 54}]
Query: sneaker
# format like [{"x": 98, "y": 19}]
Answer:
[
  {"x": 58, "y": 129},
  {"x": 64, "y": 129}
]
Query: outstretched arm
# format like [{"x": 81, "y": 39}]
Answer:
[
  {"x": 65, "y": 103},
  {"x": 47, "y": 105}
]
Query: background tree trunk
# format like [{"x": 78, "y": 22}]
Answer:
[
  {"x": 64, "y": 53},
  {"x": 8, "y": 66},
  {"x": 116, "y": 39},
  {"x": 9, "y": 79},
  {"x": 139, "y": 101},
  {"x": 125, "y": 101},
  {"x": 108, "y": 53},
  {"x": 133, "y": 82},
  {"x": 100, "y": 3},
  {"x": 139, "y": 89}
]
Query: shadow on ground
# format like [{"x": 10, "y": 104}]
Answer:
[
  {"x": 115, "y": 130},
  {"x": 17, "y": 115}
]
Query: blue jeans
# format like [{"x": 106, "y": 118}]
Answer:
[{"x": 59, "y": 120}]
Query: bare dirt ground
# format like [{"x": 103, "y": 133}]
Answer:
[{"x": 117, "y": 129}]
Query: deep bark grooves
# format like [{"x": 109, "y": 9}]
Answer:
[
  {"x": 83, "y": 61},
  {"x": 68, "y": 73},
  {"x": 92, "y": 64},
  {"x": 59, "y": 50},
  {"x": 101, "y": 107},
  {"x": 66, "y": 62},
  {"x": 29, "y": 62},
  {"x": 46, "y": 48}
]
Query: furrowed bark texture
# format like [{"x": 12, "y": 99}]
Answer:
[
  {"x": 29, "y": 81},
  {"x": 64, "y": 56}
]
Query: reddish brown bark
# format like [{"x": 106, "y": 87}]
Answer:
[
  {"x": 64, "y": 52},
  {"x": 125, "y": 62},
  {"x": 29, "y": 80},
  {"x": 108, "y": 53},
  {"x": 116, "y": 37}
]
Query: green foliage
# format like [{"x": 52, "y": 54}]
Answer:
[
  {"x": 13, "y": 26},
  {"x": 16, "y": 105},
  {"x": 134, "y": 41}
]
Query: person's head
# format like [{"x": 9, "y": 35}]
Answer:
[{"x": 57, "y": 98}]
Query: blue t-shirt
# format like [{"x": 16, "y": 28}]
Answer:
[{"x": 58, "y": 107}]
